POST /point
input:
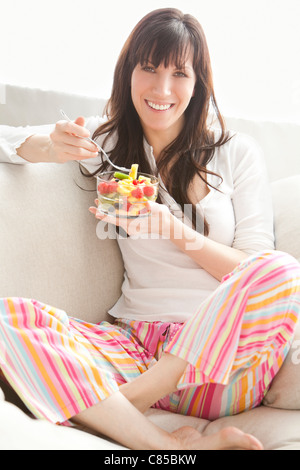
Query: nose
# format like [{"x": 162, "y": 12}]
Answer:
[{"x": 162, "y": 86}]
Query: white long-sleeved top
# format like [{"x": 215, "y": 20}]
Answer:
[{"x": 161, "y": 282}]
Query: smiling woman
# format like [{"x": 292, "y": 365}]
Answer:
[{"x": 165, "y": 62}]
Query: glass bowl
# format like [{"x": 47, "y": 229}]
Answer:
[{"x": 126, "y": 197}]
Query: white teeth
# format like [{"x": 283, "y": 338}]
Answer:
[{"x": 159, "y": 107}]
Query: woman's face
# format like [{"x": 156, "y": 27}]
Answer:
[{"x": 161, "y": 95}]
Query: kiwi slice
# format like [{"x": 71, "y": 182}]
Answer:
[{"x": 121, "y": 176}]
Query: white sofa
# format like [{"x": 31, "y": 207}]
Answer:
[{"x": 49, "y": 250}]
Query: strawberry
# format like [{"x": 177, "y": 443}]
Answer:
[
  {"x": 138, "y": 193},
  {"x": 148, "y": 191},
  {"x": 112, "y": 187},
  {"x": 103, "y": 187}
]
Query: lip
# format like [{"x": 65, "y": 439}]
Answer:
[{"x": 159, "y": 103}]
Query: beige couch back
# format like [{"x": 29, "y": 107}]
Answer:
[{"x": 49, "y": 249}]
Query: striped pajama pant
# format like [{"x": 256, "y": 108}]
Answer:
[{"x": 235, "y": 343}]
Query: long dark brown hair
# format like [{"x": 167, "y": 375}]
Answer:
[{"x": 165, "y": 36}]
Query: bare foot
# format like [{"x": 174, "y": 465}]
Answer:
[{"x": 227, "y": 438}]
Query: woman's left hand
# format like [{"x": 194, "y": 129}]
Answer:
[{"x": 156, "y": 223}]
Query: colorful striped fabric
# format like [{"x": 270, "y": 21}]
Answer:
[
  {"x": 235, "y": 344},
  {"x": 238, "y": 339}
]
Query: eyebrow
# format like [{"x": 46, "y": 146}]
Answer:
[{"x": 182, "y": 67}]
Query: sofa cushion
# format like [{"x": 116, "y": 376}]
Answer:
[
  {"x": 286, "y": 202},
  {"x": 285, "y": 389},
  {"x": 48, "y": 241},
  {"x": 19, "y": 432},
  {"x": 278, "y": 140}
]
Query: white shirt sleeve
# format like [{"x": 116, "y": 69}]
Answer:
[
  {"x": 11, "y": 138},
  {"x": 251, "y": 197}
]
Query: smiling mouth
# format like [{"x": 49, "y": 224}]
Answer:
[{"x": 159, "y": 107}]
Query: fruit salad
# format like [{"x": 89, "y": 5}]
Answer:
[{"x": 126, "y": 195}]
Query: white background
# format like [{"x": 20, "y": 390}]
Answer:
[{"x": 72, "y": 45}]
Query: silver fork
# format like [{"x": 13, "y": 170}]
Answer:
[{"x": 100, "y": 149}]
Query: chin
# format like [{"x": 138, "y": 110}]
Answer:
[{"x": 162, "y": 127}]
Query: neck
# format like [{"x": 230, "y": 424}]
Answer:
[
  {"x": 157, "y": 143},
  {"x": 159, "y": 140}
]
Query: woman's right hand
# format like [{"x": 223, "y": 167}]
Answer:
[{"x": 68, "y": 142}]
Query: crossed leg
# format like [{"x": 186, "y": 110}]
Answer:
[{"x": 270, "y": 287}]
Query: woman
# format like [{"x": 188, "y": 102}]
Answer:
[{"x": 206, "y": 317}]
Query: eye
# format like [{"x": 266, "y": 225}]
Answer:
[
  {"x": 180, "y": 73},
  {"x": 148, "y": 68}
]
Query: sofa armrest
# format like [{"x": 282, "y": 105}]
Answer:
[{"x": 49, "y": 248}]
